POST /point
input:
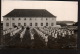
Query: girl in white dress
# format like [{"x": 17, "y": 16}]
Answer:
[{"x": 46, "y": 39}]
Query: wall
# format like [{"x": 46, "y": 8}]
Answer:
[{"x": 28, "y": 21}]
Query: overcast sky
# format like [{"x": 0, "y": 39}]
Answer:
[{"x": 64, "y": 10}]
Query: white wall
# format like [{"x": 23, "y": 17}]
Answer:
[{"x": 28, "y": 21}]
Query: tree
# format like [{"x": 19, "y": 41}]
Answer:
[
  {"x": 76, "y": 24},
  {"x": 61, "y": 24}
]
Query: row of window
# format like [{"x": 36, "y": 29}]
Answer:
[
  {"x": 36, "y": 24},
  {"x": 30, "y": 19}
]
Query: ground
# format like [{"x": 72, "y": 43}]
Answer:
[{"x": 38, "y": 42}]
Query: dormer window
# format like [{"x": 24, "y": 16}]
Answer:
[
  {"x": 12, "y": 18},
  {"x": 19, "y": 18},
  {"x": 24, "y": 18},
  {"x": 30, "y": 19}
]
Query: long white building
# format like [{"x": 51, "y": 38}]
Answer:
[{"x": 29, "y": 17}]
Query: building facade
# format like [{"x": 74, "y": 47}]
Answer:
[{"x": 29, "y": 17}]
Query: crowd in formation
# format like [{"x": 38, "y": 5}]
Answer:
[
  {"x": 55, "y": 33},
  {"x": 50, "y": 38}
]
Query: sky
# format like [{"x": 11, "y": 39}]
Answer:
[{"x": 64, "y": 10}]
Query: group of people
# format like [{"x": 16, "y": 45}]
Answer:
[
  {"x": 9, "y": 30},
  {"x": 22, "y": 33},
  {"x": 46, "y": 34},
  {"x": 54, "y": 33}
]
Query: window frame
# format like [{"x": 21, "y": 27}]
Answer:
[
  {"x": 7, "y": 24},
  {"x": 19, "y": 24},
  {"x": 52, "y": 24},
  {"x": 41, "y": 24},
  {"x": 30, "y": 24},
  {"x": 24, "y": 24},
  {"x": 36, "y": 24},
  {"x": 46, "y": 24},
  {"x": 13, "y": 24}
]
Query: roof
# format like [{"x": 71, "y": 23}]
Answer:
[{"x": 29, "y": 13}]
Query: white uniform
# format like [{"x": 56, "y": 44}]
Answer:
[
  {"x": 55, "y": 35},
  {"x": 72, "y": 32},
  {"x": 52, "y": 34},
  {"x": 6, "y": 32},
  {"x": 11, "y": 34},
  {"x": 69, "y": 33},
  {"x": 46, "y": 38},
  {"x": 21, "y": 35},
  {"x": 43, "y": 36},
  {"x": 32, "y": 36},
  {"x": 63, "y": 34},
  {"x": 49, "y": 33},
  {"x": 59, "y": 33}
]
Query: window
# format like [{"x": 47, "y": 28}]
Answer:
[
  {"x": 30, "y": 24},
  {"x": 30, "y": 19},
  {"x": 12, "y": 18},
  {"x": 51, "y": 24},
  {"x": 46, "y": 19},
  {"x": 7, "y": 24},
  {"x": 19, "y": 18},
  {"x": 24, "y": 24},
  {"x": 41, "y": 24},
  {"x": 24, "y": 18},
  {"x": 46, "y": 24},
  {"x": 7, "y": 18},
  {"x": 19, "y": 24},
  {"x": 13, "y": 24},
  {"x": 35, "y": 24}
]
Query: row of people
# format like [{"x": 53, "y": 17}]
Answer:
[
  {"x": 15, "y": 31},
  {"x": 42, "y": 35},
  {"x": 8, "y": 30},
  {"x": 31, "y": 34},
  {"x": 22, "y": 33},
  {"x": 56, "y": 33}
]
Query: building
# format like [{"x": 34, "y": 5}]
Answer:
[
  {"x": 70, "y": 23},
  {"x": 29, "y": 17},
  {"x": 66, "y": 22}
]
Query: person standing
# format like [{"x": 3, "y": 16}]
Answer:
[{"x": 46, "y": 39}]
